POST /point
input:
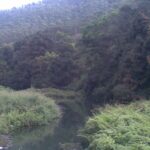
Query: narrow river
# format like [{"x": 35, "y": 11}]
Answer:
[{"x": 50, "y": 138}]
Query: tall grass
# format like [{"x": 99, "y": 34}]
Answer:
[
  {"x": 120, "y": 128},
  {"x": 25, "y": 109}
]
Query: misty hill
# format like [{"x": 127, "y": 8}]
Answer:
[
  {"x": 16, "y": 24},
  {"x": 108, "y": 61}
]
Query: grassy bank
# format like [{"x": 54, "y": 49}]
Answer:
[
  {"x": 72, "y": 101},
  {"x": 25, "y": 109},
  {"x": 120, "y": 128},
  {"x": 59, "y": 95}
]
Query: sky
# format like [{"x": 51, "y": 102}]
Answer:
[{"x": 8, "y": 4}]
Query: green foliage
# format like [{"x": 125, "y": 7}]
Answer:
[
  {"x": 16, "y": 24},
  {"x": 44, "y": 52},
  {"x": 90, "y": 32},
  {"x": 58, "y": 94},
  {"x": 111, "y": 60},
  {"x": 116, "y": 50},
  {"x": 73, "y": 101},
  {"x": 42, "y": 60},
  {"x": 25, "y": 109},
  {"x": 120, "y": 128}
]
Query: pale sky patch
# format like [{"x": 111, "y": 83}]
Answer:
[{"x": 8, "y": 4}]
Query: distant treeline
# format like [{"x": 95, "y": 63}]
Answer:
[{"x": 16, "y": 24}]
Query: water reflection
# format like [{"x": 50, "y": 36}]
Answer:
[
  {"x": 50, "y": 137},
  {"x": 53, "y": 137},
  {"x": 32, "y": 139}
]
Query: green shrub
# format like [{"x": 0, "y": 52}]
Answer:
[
  {"x": 25, "y": 109},
  {"x": 120, "y": 128}
]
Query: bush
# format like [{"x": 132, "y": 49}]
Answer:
[
  {"x": 120, "y": 128},
  {"x": 122, "y": 93},
  {"x": 25, "y": 109}
]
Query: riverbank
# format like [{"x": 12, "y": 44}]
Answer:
[
  {"x": 65, "y": 131},
  {"x": 119, "y": 127},
  {"x": 25, "y": 109},
  {"x": 62, "y": 135}
]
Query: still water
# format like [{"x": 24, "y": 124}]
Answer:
[{"x": 51, "y": 137}]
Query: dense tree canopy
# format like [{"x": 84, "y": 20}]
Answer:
[
  {"x": 42, "y": 60},
  {"x": 109, "y": 60},
  {"x": 16, "y": 24},
  {"x": 118, "y": 55}
]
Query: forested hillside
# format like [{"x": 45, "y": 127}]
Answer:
[
  {"x": 67, "y": 58},
  {"x": 19, "y": 23},
  {"x": 108, "y": 58},
  {"x": 117, "y": 52}
]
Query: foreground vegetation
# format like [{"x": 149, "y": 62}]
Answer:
[
  {"x": 85, "y": 50},
  {"x": 120, "y": 128},
  {"x": 25, "y": 109}
]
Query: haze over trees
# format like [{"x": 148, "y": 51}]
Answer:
[
  {"x": 97, "y": 48},
  {"x": 108, "y": 57},
  {"x": 16, "y": 23}
]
